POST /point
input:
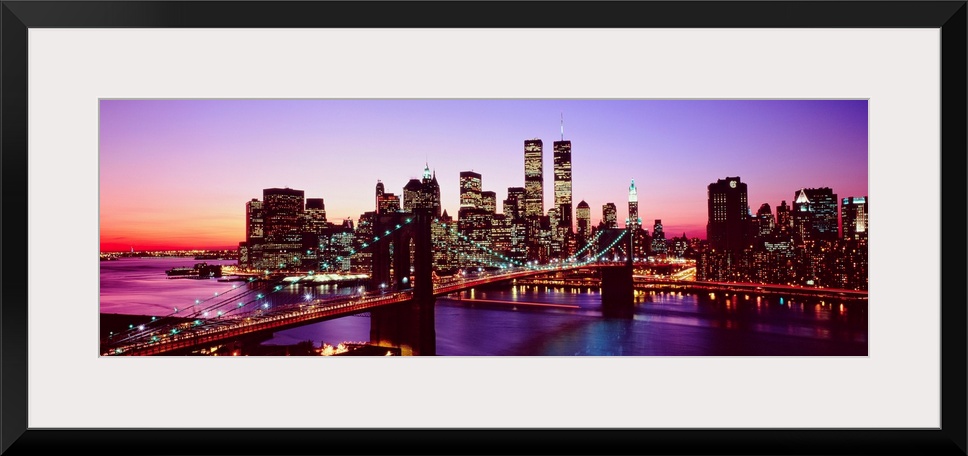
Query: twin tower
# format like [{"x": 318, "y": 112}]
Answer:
[{"x": 534, "y": 180}]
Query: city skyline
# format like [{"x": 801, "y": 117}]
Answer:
[{"x": 178, "y": 173}]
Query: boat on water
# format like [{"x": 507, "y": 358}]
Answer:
[{"x": 199, "y": 271}]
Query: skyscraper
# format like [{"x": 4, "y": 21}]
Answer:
[
  {"x": 783, "y": 220},
  {"x": 255, "y": 223},
  {"x": 583, "y": 214},
  {"x": 423, "y": 193},
  {"x": 379, "y": 193},
  {"x": 431, "y": 190},
  {"x": 728, "y": 225},
  {"x": 562, "y": 157},
  {"x": 283, "y": 214},
  {"x": 659, "y": 246},
  {"x": 609, "y": 215},
  {"x": 634, "y": 219},
  {"x": 389, "y": 202},
  {"x": 489, "y": 201},
  {"x": 514, "y": 205},
  {"x": 514, "y": 212},
  {"x": 853, "y": 210},
  {"x": 765, "y": 222},
  {"x": 533, "y": 178},
  {"x": 411, "y": 195},
  {"x": 815, "y": 214},
  {"x": 315, "y": 215},
  {"x": 470, "y": 190}
]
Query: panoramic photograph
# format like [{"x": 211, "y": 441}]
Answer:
[{"x": 483, "y": 227}]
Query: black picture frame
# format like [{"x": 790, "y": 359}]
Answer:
[{"x": 17, "y": 16}]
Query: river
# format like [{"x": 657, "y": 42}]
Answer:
[{"x": 538, "y": 320}]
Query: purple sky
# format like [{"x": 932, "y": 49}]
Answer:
[{"x": 177, "y": 173}]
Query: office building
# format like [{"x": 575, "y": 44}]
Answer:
[
  {"x": 609, "y": 215},
  {"x": 283, "y": 214},
  {"x": 583, "y": 215},
  {"x": 727, "y": 228},
  {"x": 470, "y": 190},
  {"x": 533, "y": 178},
  {"x": 489, "y": 201},
  {"x": 853, "y": 211},
  {"x": 815, "y": 214},
  {"x": 562, "y": 171},
  {"x": 659, "y": 246}
]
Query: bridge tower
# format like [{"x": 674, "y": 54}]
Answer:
[
  {"x": 618, "y": 288},
  {"x": 408, "y": 325}
]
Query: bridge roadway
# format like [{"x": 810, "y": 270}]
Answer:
[{"x": 188, "y": 336}]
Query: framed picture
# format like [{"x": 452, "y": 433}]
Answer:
[{"x": 62, "y": 61}]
